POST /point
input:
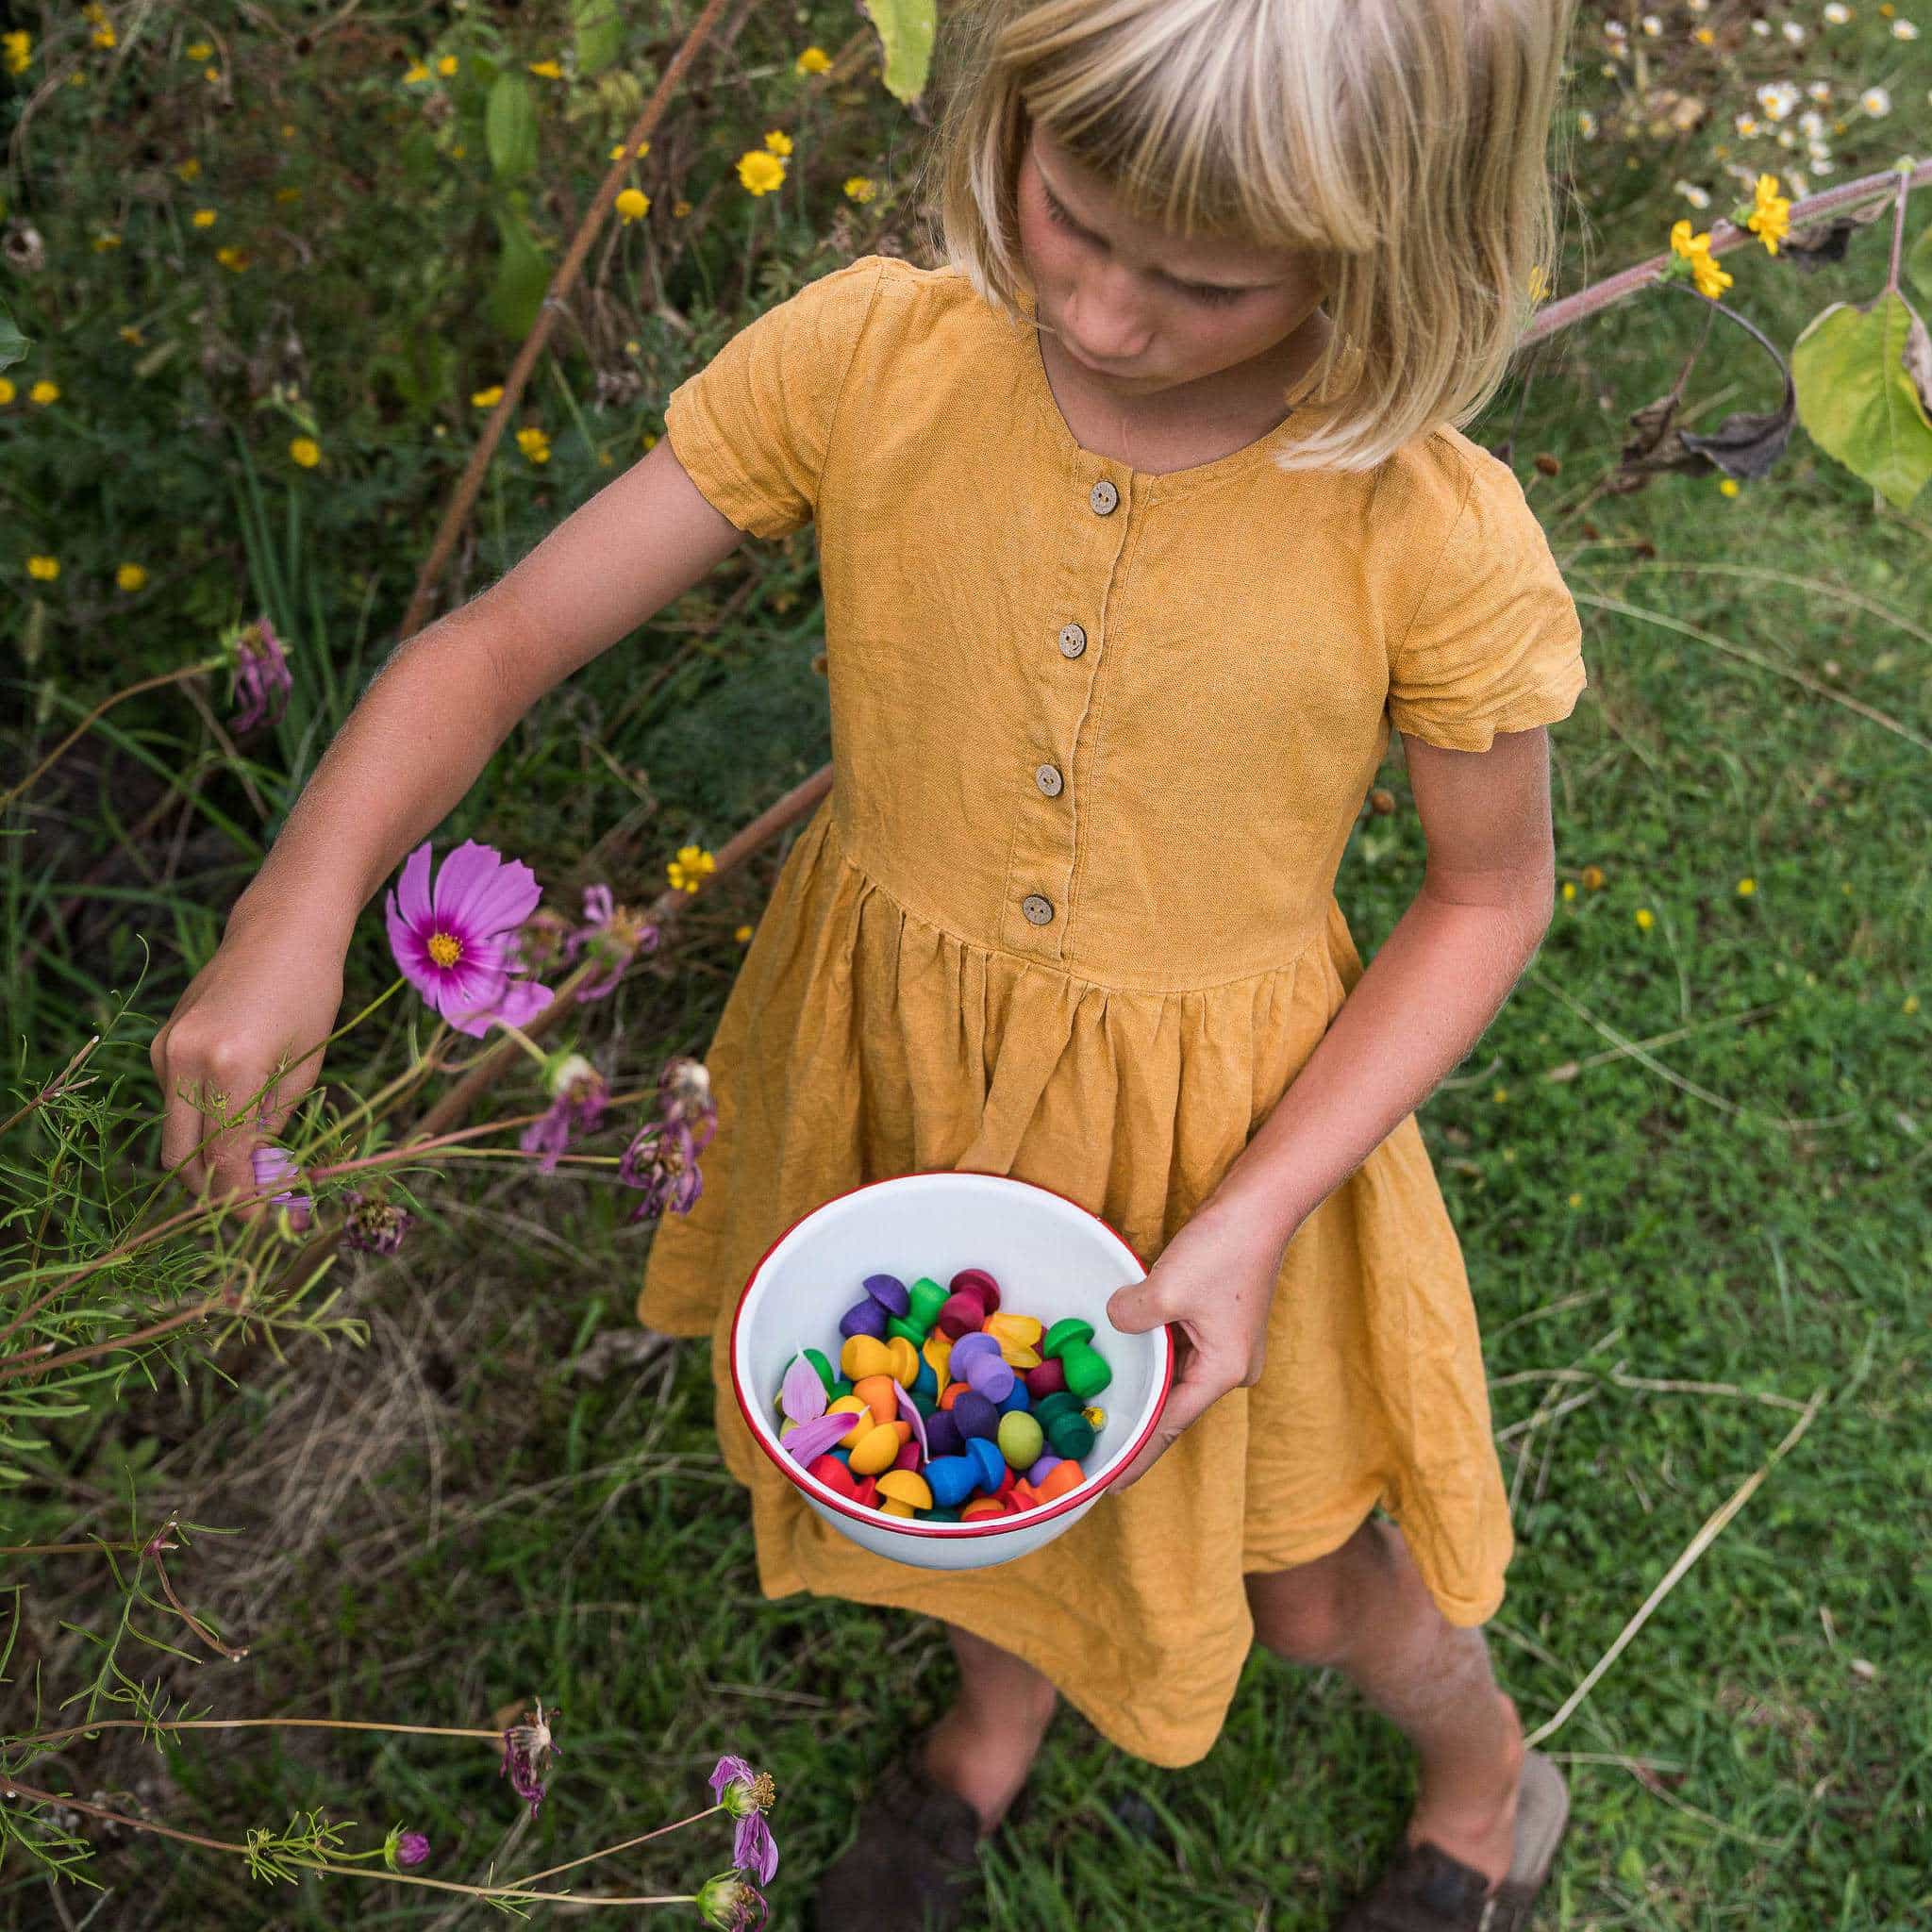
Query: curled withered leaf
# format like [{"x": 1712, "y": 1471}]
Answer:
[
  {"x": 1817, "y": 243},
  {"x": 1745, "y": 445}
]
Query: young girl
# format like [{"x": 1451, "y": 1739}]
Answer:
[{"x": 1142, "y": 522}]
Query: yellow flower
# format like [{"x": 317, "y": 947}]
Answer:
[
  {"x": 203, "y": 218},
  {"x": 1569, "y": 889},
  {"x": 680, "y": 209},
  {"x": 105, "y": 241},
  {"x": 1728, "y": 486},
  {"x": 488, "y": 398},
  {"x": 305, "y": 451},
  {"x": 5, "y": 392},
  {"x": 690, "y": 867},
  {"x": 548, "y": 70},
  {"x": 1576, "y": 1200},
  {"x": 1499, "y": 1093},
  {"x": 1747, "y": 887},
  {"x": 199, "y": 50},
  {"x": 44, "y": 393},
  {"x": 1702, "y": 36},
  {"x": 45, "y": 568},
  {"x": 650, "y": 440},
  {"x": 632, "y": 205},
  {"x": 190, "y": 169},
  {"x": 534, "y": 444},
  {"x": 1911, "y": 1004},
  {"x": 231, "y": 257},
  {"x": 813, "y": 61},
  {"x": 132, "y": 337},
  {"x": 20, "y": 51},
  {"x": 1539, "y": 282},
  {"x": 744, "y": 932},
  {"x": 1711, "y": 279},
  {"x": 1592, "y": 877},
  {"x": 285, "y": 195},
  {"x": 449, "y": 65},
  {"x": 779, "y": 141},
  {"x": 103, "y": 35},
  {"x": 1771, "y": 215},
  {"x": 1646, "y": 918},
  {"x": 760, "y": 171},
  {"x": 861, "y": 187},
  {"x": 413, "y": 73},
  {"x": 130, "y": 576}
]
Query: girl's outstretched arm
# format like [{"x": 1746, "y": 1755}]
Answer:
[{"x": 1429, "y": 993}]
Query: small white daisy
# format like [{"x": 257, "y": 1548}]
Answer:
[
  {"x": 1653, "y": 25},
  {"x": 1793, "y": 33},
  {"x": 1614, "y": 29},
  {"x": 1811, "y": 123},
  {"x": 1820, "y": 90},
  {"x": 1698, "y": 6},
  {"x": 1746, "y": 124},
  {"x": 1585, "y": 123},
  {"x": 1904, "y": 30},
  {"x": 1786, "y": 138},
  {"x": 1760, "y": 27},
  {"x": 1695, "y": 195},
  {"x": 1874, "y": 101},
  {"x": 1777, "y": 98},
  {"x": 1836, "y": 13},
  {"x": 1819, "y": 166}
]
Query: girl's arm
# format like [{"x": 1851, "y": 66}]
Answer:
[{"x": 1487, "y": 892}]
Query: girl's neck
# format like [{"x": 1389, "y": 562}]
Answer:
[{"x": 1189, "y": 423}]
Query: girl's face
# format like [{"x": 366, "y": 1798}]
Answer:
[{"x": 1136, "y": 308}]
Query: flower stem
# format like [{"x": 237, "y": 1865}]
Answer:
[{"x": 104, "y": 705}]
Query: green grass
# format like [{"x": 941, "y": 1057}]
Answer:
[{"x": 452, "y": 1520}]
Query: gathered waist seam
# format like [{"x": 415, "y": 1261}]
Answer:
[{"x": 845, "y": 857}]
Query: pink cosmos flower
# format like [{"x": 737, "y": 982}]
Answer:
[
  {"x": 582, "y": 1096},
  {"x": 272, "y": 1164},
  {"x": 662, "y": 1157},
  {"x": 527, "y": 1749},
  {"x": 411, "y": 1848},
  {"x": 732, "y": 1903},
  {"x": 262, "y": 673},
  {"x": 747, "y": 1794},
  {"x": 453, "y": 944},
  {"x": 615, "y": 935}
]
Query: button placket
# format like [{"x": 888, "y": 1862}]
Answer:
[{"x": 1044, "y": 853}]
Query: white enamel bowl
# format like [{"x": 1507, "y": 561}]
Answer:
[{"x": 1050, "y": 1258}]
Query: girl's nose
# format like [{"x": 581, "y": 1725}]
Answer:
[{"x": 1102, "y": 317}]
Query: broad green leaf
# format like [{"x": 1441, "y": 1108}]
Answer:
[
  {"x": 905, "y": 28},
  {"x": 13, "y": 345},
  {"x": 510, "y": 127},
  {"x": 599, "y": 28},
  {"x": 522, "y": 277},
  {"x": 1918, "y": 261},
  {"x": 1857, "y": 398}
]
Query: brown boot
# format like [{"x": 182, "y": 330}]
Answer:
[{"x": 914, "y": 1866}]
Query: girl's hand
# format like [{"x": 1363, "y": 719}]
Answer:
[
  {"x": 1215, "y": 1282},
  {"x": 268, "y": 996}
]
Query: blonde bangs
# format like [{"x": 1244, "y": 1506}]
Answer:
[{"x": 1399, "y": 145}]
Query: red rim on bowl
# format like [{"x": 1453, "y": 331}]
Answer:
[{"x": 1084, "y": 1492}]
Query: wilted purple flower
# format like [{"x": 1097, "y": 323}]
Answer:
[
  {"x": 581, "y": 1097},
  {"x": 731, "y": 1903},
  {"x": 684, "y": 1094},
  {"x": 527, "y": 1749},
  {"x": 541, "y": 943},
  {"x": 748, "y": 1794},
  {"x": 261, "y": 672},
  {"x": 375, "y": 1226},
  {"x": 663, "y": 1162},
  {"x": 615, "y": 935},
  {"x": 272, "y": 1165},
  {"x": 452, "y": 945}
]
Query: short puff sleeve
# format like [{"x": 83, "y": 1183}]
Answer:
[
  {"x": 753, "y": 428},
  {"x": 1494, "y": 642}
]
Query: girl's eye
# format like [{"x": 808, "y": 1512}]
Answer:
[{"x": 1200, "y": 291}]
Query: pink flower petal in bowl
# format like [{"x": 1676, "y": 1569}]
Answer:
[
  {"x": 910, "y": 1409},
  {"x": 803, "y": 1394},
  {"x": 809, "y": 1441}
]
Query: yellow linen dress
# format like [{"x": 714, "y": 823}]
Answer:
[{"x": 1099, "y": 739}]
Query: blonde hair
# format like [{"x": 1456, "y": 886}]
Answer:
[{"x": 1399, "y": 143}]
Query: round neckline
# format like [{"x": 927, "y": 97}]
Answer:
[{"x": 1147, "y": 482}]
